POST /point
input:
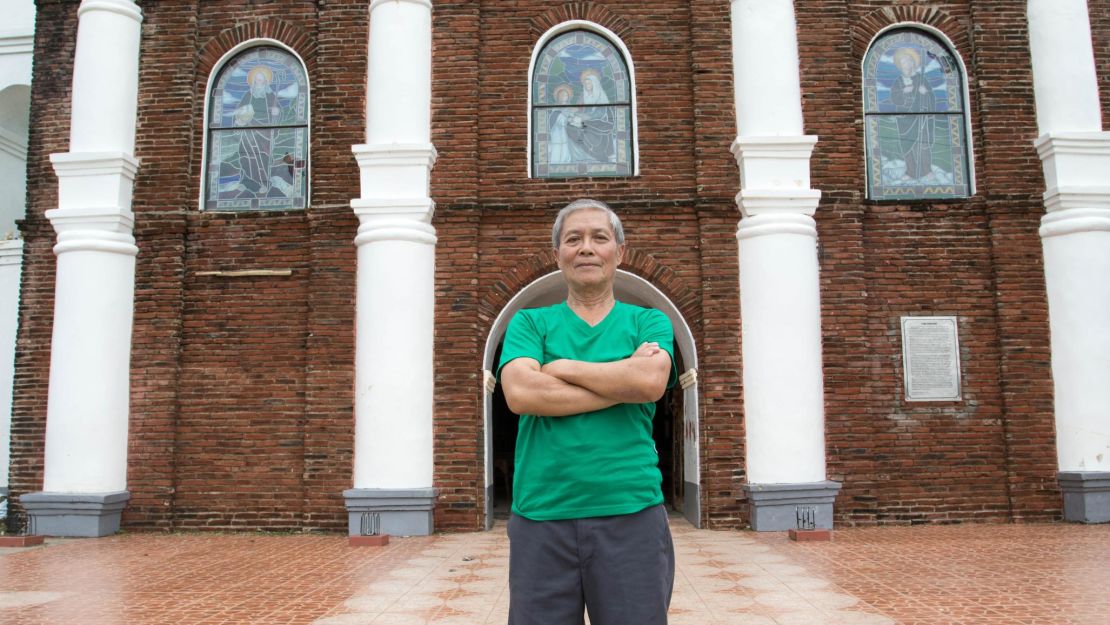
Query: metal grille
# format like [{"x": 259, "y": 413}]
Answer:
[
  {"x": 370, "y": 524},
  {"x": 807, "y": 517}
]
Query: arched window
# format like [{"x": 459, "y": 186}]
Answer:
[
  {"x": 915, "y": 119},
  {"x": 582, "y": 116},
  {"x": 257, "y": 143}
]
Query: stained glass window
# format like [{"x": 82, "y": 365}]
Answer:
[
  {"x": 581, "y": 109},
  {"x": 258, "y": 133},
  {"x": 914, "y": 119}
]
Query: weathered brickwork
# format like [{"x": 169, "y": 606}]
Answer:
[
  {"x": 242, "y": 414},
  {"x": 48, "y": 132}
]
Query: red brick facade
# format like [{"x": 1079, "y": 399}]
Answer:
[{"x": 241, "y": 412}]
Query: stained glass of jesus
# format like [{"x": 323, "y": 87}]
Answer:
[{"x": 258, "y": 133}]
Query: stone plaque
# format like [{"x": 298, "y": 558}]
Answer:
[{"x": 931, "y": 358}]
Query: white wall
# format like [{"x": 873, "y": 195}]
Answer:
[
  {"x": 16, "y": 45},
  {"x": 15, "y": 107}
]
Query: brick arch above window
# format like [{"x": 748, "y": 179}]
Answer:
[
  {"x": 584, "y": 11},
  {"x": 300, "y": 41},
  {"x": 870, "y": 25}
]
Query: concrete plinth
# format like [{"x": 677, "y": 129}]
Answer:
[
  {"x": 387, "y": 511},
  {"x": 81, "y": 515},
  {"x": 1086, "y": 496},
  {"x": 774, "y": 507}
]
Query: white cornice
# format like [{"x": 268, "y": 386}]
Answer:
[
  {"x": 754, "y": 202},
  {"x": 11, "y": 252},
  {"x": 416, "y": 210},
  {"x": 786, "y": 146},
  {"x": 772, "y": 223},
  {"x": 126, "y": 8},
  {"x": 1075, "y": 221},
  {"x": 13, "y": 144},
  {"x": 1092, "y": 143},
  {"x": 1079, "y": 197},
  {"x": 16, "y": 42},
  {"x": 391, "y": 154}
]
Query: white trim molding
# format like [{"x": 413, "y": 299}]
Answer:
[
  {"x": 16, "y": 42},
  {"x": 13, "y": 144}
]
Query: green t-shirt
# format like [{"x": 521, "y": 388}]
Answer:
[{"x": 600, "y": 463}]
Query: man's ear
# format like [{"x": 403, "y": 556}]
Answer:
[{"x": 620, "y": 254}]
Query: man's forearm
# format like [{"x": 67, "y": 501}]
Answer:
[
  {"x": 532, "y": 392},
  {"x": 634, "y": 380}
]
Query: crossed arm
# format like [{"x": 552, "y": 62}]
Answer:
[{"x": 569, "y": 387}]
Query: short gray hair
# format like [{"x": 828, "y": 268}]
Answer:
[{"x": 586, "y": 204}]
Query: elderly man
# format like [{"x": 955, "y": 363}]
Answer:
[{"x": 588, "y": 529}]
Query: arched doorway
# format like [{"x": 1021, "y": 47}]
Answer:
[{"x": 676, "y": 430}]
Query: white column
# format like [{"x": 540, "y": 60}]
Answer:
[
  {"x": 1075, "y": 233},
  {"x": 85, "y": 474},
  {"x": 393, "y": 491},
  {"x": 780, "y": 306}
]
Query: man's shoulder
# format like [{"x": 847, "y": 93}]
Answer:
[
  {"x": 540, "y": 312},
  {"x": 639, "y": 312}
]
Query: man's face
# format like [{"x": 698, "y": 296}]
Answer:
[{"x": 588, "y": 250}]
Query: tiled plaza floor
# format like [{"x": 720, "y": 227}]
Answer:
[{"x": 972, "y": 574}]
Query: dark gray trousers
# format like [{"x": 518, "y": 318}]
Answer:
[{"x": 620, "y": 568}]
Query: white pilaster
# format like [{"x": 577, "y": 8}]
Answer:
[
  {"x": 780, "y": 306},
  {"x": 1075, "y": 234},
  {"x": 1075, "y": 231},
  {"x": 85, "y": 474},
  {"x": 395, "y": 298},
  {"x": 1064, "y": 80}
]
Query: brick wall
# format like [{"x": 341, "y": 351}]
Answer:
[
  {"x": 56, "y": 23},
  {"x": 242, "y": 415},
  {"x": 992, "y": 455}
]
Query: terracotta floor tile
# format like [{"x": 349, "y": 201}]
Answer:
[{"x": 965, "y": 575}]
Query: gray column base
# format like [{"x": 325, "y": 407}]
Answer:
[
  {"x": 774, "y": 507},
  {"x": 1086, "y": 495},
  {"x": 84, "y": 515},
  {"x": 389, "y": 511}
]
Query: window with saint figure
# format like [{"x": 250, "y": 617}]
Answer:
[
  {"x": 581, "y": 109},
  {"x": 915, "y": 119},
  {"x": 258, "y": 144}
]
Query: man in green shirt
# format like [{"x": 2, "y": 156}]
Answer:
[{"x": 588, "y": 530}]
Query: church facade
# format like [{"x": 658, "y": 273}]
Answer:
[{"x": 270, "y": 250}]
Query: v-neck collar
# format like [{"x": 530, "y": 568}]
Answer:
[{"x": 583, "y": 323}]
